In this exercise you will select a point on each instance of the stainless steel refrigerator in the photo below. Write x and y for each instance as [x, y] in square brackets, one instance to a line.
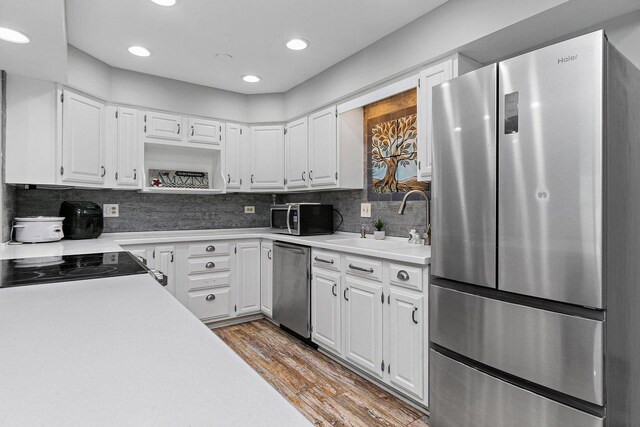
[535, 300]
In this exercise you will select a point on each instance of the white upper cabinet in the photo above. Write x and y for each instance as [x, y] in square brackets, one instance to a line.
[323, 148]
[162, 125]
[429, 78]
[127, 168]
[235, 134]
[296, 143]
[205, 131]
[267, 158]
[83, 139]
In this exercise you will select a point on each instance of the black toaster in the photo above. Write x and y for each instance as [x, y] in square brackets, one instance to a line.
[82, 220]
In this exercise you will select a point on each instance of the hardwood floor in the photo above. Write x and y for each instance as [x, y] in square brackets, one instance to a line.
[324, 391]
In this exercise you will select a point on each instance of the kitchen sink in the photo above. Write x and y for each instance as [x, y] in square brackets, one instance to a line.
[370, 243]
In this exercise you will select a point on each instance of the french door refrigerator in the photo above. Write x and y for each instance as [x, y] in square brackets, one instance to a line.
[535, 300]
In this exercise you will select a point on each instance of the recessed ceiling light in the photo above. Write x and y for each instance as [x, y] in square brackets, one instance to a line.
[139, 51]
[13, 36]
[250, 78]
[297, 44]
[165, 2]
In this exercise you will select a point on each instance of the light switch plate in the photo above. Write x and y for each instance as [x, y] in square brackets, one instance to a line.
[110, 210]
[249, 209]
[365, 210]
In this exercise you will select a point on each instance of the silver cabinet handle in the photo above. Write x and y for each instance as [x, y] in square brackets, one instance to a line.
[228, 178]
[403, 275]
[303, 175]
[333, 289]
[178, 128]
[191, 131]
[171, 256]
[344, 294]
[210, 264]
[311, 175]
[135, 174]
[252, 178]
[413, 315]
[366, 270]
[210, 297]
[104, 171]
[210, 248]
[269, 254]
[328, 261]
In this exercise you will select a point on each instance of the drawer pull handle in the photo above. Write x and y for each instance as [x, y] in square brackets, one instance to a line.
[344, 294]
[210, 264]
[328, 261]
[413, 315]
[210, 297]
[269, 254]
[403, 275]
[333, 289]
[366, 270]
[211, 248]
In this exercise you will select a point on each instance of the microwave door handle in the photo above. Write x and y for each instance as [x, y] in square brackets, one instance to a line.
[288, 214]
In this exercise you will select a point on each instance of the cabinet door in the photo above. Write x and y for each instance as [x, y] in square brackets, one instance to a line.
[248, 277]
[267, 158]
[428, 79]
[162, 125]
[128, 147]
[323, 148]
[406, 341]
[205, 131]
[363, 324]
[325, 309]
[266, 278]
[296, 143]
[82, 139]
[164, 262]
[234, 135]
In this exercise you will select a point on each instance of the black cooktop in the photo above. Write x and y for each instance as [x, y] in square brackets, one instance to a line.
[35, 271]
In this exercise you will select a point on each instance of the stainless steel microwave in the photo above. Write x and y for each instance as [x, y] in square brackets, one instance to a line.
[302, 219]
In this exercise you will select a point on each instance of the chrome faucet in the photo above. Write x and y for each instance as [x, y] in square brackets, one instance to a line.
[363, 232]
[403, 205]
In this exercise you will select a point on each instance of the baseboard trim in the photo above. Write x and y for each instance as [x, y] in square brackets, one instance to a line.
[214, 324]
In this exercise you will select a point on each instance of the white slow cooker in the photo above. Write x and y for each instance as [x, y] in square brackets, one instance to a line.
[36, 229]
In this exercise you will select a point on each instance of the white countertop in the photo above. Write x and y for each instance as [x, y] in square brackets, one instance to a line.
[398, 249]
[122, 351]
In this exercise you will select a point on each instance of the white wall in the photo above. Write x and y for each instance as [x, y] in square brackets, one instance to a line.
[266, 108]
[88, 74]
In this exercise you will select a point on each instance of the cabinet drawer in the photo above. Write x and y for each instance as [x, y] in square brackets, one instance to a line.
[468, 397]
[326, 259]
[202, 265]
[209, 249]
[211, 304]
[363, 267]
[555, 350]
[210, 280]
[403, 275]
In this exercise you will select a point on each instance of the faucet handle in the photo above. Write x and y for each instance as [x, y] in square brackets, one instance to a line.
[363, 231]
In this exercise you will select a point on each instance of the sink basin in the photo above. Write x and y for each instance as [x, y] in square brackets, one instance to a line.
[370, 243]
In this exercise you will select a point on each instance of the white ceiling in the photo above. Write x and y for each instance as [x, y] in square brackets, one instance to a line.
[185, 38]
[45, 57]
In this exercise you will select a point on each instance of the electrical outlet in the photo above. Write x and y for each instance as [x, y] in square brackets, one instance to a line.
[110, 211]
[249, 209]
[365, 210]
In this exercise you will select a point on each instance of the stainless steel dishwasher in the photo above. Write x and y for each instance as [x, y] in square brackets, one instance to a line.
[292, 287]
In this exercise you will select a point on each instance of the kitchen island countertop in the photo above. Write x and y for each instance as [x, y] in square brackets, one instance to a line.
[122, 351]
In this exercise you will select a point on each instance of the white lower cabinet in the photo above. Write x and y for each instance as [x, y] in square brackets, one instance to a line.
[326, 295]
[376, 323]
[165, 261]
[266, 278]
[211, 304]
[363, 325]
[406, 341]
[248, 277]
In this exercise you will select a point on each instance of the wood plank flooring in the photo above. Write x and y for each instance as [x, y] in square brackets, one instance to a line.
[327, 393]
